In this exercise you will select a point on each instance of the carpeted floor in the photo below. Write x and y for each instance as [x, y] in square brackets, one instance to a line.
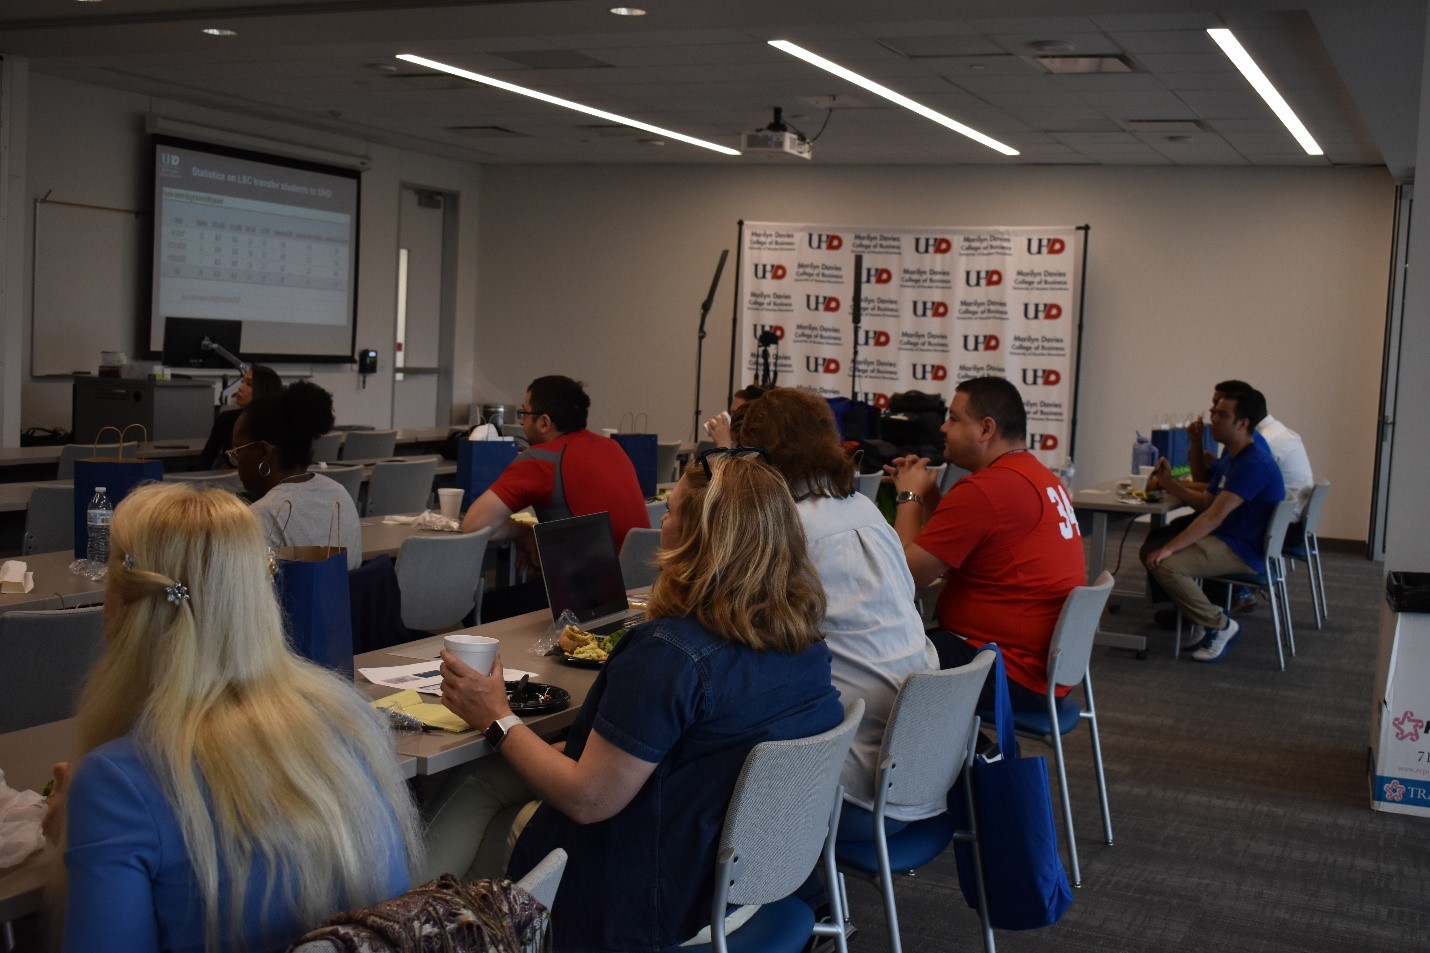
[1239, 801]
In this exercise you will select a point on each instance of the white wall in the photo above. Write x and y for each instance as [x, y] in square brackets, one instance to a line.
[88, 144]
[1276, 276]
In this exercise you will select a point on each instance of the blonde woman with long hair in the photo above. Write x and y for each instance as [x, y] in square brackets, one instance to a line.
[229, 795]
[731, 656]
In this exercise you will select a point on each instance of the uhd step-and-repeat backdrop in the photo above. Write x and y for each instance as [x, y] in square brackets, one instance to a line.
[940, 305]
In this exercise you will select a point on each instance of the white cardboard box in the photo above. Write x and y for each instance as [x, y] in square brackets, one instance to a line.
[1400, 725]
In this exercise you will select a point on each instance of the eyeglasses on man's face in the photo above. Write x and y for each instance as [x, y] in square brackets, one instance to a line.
[706, 455]
[527, 413]
[232, 455]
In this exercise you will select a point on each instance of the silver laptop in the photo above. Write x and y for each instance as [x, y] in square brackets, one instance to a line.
[583, 574]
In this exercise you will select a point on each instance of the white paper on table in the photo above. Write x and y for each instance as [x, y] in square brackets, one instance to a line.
[15, 576]
[422, 677]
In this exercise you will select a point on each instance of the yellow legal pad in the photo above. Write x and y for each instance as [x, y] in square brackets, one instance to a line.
[430, 714]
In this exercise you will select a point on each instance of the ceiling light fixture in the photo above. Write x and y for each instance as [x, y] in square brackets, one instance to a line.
[1242, 60]
[566, 103]
[219, 31]
[628, 11]
[816, 60]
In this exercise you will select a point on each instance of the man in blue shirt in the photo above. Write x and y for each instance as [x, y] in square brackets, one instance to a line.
[1226, 536]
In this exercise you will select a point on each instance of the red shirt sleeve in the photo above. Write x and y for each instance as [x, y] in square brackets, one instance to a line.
[525, 482]
[960, 524]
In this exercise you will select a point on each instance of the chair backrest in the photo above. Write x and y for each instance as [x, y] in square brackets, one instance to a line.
[542, 880]
[46, 656]
[779, 814]
[1314, 505]
[327, 447]
[349, 477]
[49, 520]
[369, 444]
[930, 728]
[952, 473]
[665, 459]
[1281, 520]
[638, 557]
[441, 578]
[654, 510]
[71, 452]
[869, 484]
[227, 479]
[400, 486]
[938, 473]
[1071, 648]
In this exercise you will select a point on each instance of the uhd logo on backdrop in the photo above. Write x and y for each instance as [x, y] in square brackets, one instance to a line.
[929, 245]
[776, 329]
[983, 279]
[1041, 376]
[930, 372]
[764, 270]
[877, 401]
[821, 365]
[878, 276]
[830, 242]
[868, 337]
[1042, 311]
[1046, 246]
[929, 309]
[1042, 441]
[821, 303]
[980, 342]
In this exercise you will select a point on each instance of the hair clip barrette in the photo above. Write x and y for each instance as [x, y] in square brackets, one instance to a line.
[129, 561]
[178, 593]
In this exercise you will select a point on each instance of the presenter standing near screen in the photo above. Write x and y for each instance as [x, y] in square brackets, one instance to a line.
[258, 382]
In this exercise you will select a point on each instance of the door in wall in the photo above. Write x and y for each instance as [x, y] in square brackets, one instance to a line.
[423, 276]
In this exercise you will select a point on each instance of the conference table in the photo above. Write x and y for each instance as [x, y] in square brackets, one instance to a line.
[1108, 504]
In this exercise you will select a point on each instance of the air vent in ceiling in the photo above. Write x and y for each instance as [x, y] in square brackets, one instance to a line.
[1087, 64]
[553, 59]
[488, 132]
[1163, 127]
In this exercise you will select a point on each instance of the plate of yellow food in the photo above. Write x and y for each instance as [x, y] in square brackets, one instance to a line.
[586, 649]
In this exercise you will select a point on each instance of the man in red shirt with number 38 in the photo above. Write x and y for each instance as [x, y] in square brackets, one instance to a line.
[1004, 539]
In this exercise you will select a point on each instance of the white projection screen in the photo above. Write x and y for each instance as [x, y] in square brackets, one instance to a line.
[264, 240]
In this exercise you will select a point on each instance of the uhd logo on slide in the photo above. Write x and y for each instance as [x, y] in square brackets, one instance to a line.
[826, 303]
[1042, 441]
[170, 158]
[766, 271]
[878, 276]
[929, 309]
[930, 372]
[931, 245]
[1041, 376]
[776, 329]
[818, 240]
[821, 365]
[868, 337]
[877, 401]
[983, 279]
[980, 342]
[1042, 311]
[1046, 246]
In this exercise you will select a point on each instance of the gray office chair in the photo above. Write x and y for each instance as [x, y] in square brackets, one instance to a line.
[952, 473]
[665, 461]
[71, 452]
[327, 447]
[638, 557]
[1302, 544]
[400, 486]
[47, 654]
[49, 520]
[654, 510]
[369, 444]
[869, 484]
[441, 579]
[349, 477]
[1270, 580]
[228, 479]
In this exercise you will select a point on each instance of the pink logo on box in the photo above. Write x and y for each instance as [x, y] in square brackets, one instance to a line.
[1395, 791]
[1408, 728]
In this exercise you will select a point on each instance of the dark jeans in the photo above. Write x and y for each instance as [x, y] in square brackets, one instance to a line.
[953, 652]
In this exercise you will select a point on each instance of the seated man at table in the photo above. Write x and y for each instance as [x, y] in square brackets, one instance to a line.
[1004, 539]
[1226, 535]
[1285, 444]
[567, 471]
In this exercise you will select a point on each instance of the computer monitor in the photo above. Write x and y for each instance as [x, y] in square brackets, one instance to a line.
[184, 337]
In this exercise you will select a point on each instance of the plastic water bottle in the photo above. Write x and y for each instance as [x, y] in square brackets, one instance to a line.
[97, 517]
[1066, 473]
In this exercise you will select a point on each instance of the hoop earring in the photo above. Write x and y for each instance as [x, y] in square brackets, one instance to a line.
[264, 469]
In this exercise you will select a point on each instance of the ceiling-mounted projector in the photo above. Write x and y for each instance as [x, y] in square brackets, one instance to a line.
[778, 137]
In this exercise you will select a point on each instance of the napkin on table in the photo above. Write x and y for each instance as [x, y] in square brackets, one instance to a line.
[16, 577]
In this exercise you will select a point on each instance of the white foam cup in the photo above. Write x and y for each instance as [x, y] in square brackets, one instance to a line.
[476, 651]
[449, 498]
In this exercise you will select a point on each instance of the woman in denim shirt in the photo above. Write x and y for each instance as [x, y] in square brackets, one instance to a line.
[731, 657]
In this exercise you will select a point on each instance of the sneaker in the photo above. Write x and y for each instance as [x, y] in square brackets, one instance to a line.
[1194, 636]
[1218, 642]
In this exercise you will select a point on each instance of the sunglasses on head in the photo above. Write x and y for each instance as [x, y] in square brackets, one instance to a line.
[705, 456]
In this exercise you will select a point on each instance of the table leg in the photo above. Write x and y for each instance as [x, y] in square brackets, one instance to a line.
[1116, 640]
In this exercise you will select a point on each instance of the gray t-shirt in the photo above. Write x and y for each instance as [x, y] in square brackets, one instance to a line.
[311, 522]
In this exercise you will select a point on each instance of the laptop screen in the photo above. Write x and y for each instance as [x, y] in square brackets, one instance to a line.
[579, 564]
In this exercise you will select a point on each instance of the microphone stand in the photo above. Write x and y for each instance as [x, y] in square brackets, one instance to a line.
[700, 341]
[855, 314]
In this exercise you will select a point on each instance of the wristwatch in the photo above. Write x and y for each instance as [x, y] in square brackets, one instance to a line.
[908, 496]
[496, 731]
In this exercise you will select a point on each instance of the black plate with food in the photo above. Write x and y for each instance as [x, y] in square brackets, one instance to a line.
[530, 698]
[581, 662]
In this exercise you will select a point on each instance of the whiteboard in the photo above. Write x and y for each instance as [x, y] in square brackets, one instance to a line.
[91, 274]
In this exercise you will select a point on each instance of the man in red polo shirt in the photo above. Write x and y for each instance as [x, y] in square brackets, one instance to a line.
[1004, 539]
[567, 471]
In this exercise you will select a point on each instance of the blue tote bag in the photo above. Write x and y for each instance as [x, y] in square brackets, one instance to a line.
[479, 463]
[312, 588]
[1023, 873]
[118, 475]
[643, 450]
